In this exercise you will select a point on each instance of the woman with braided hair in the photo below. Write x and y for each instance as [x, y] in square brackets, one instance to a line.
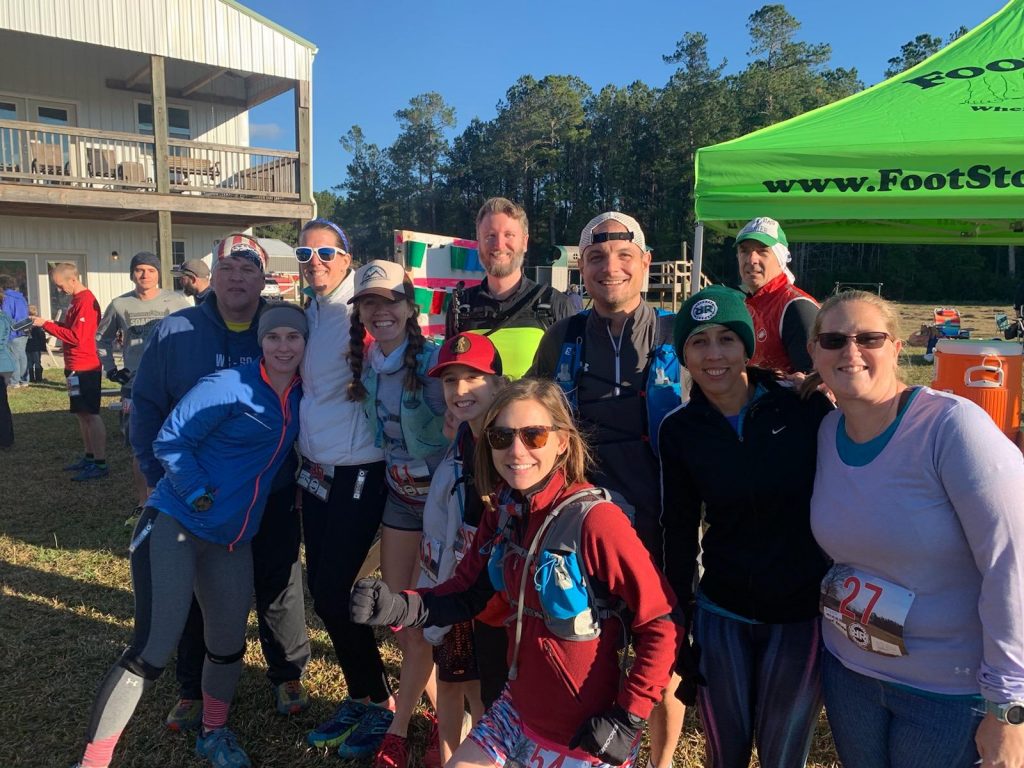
[390, 358]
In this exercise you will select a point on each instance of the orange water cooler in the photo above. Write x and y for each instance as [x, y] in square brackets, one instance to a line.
[986, 371]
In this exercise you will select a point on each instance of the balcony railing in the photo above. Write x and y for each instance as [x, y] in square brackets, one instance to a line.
[32, 153]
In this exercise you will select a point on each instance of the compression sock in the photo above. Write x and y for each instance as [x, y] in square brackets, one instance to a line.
[101, 463]
[90, 457]
[215, 713]
[98, 754]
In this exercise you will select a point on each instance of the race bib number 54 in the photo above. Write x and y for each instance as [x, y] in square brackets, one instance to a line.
[869, 610]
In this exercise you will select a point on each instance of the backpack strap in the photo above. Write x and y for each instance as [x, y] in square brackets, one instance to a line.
[570, 356]
[588, 494]
[502, 318]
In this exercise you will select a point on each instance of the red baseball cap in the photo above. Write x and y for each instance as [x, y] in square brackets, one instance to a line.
[471, 350]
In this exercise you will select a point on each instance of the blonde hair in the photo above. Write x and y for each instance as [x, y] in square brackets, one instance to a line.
[64, 268]
[890, 319]
[576, 460]
[505, 206]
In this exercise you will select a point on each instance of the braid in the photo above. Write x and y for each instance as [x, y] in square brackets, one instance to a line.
[357, 334]
[416, 342]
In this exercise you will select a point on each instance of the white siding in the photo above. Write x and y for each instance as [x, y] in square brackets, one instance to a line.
[204, 31]
[77, 74]
[37, 240]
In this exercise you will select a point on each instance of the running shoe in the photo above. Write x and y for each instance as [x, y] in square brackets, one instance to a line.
[366, 737]
[133, 518]
[78, 466]
[332, 732]
[291, 698]
[186, 715]
[92, 472]
[393, 752]
[220, 746]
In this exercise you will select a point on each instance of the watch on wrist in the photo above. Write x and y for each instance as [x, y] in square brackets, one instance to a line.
[203, 503]
[1011, 713]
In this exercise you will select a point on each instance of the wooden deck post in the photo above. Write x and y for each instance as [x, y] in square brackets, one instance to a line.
[304, 141]
[160, 166]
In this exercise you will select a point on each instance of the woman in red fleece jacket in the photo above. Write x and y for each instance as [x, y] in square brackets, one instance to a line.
[567, 702]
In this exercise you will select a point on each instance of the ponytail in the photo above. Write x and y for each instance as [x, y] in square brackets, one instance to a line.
[416, 342]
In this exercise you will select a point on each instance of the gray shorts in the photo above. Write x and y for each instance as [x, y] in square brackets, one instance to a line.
[402, 515]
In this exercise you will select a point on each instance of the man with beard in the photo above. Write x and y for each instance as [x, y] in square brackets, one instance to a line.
[507, 306]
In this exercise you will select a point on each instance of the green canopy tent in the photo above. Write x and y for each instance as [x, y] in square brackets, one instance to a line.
[933, 155]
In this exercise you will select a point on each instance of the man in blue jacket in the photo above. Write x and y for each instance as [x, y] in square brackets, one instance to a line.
[16, 307]
[186, 346]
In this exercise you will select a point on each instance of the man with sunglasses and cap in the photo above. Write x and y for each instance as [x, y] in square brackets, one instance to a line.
[783, 314]
[195, 279]
[507, 306]
[617, 368]
[132, 317]
[186, 346]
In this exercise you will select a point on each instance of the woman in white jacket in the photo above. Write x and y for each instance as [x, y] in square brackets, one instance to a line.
[343, 488]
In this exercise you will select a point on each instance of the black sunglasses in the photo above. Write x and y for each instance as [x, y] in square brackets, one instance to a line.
[867, 340]
[325, 253]
[500, 438]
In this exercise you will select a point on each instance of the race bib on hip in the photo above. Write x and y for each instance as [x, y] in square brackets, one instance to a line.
[411, 481]
[869, 610]
[316, 478]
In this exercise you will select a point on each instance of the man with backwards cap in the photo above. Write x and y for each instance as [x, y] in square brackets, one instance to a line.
[195, 279]
[186, 346]
[783, 314]
[132, 317]
[616, 365]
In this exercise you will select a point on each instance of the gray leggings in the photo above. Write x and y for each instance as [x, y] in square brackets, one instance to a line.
[168, 564]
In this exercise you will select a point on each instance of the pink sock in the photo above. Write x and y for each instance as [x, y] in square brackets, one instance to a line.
[215, 712]
[99, 753]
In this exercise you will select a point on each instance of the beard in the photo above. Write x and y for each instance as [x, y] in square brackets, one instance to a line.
[503, 269]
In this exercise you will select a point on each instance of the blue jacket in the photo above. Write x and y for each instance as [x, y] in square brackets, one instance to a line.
[230, 434]
[14, 304]
[186, 346]
[7, 364]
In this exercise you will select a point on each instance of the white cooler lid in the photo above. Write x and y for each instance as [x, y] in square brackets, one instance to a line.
[979, 347]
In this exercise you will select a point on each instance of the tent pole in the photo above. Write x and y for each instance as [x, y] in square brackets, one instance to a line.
[698, 259]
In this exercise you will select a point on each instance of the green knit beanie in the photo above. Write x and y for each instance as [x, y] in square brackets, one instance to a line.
[715, 305]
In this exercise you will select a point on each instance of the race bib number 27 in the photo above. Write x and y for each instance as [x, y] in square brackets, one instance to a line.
[869, 610]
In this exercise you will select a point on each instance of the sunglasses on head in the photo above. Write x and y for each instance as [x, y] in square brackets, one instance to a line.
[500, 438]
[324, 253]
[867, 339]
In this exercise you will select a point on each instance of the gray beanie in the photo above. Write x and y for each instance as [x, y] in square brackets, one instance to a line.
[282, 315]
[144, 257]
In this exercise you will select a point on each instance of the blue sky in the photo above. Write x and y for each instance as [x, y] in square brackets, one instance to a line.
[374, 55]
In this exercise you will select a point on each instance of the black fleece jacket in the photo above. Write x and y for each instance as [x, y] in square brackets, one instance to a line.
[760, 559]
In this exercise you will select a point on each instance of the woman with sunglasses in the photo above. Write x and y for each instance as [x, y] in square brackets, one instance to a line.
[405, 408]
[545, 536]
[343, 490]
[739, 459]
[917, 499]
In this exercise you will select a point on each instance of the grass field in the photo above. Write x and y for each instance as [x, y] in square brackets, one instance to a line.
[66, 611]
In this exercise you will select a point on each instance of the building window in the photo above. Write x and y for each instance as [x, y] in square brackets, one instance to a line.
[178, 121]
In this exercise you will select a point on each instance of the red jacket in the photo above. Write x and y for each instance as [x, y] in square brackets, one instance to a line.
[562, 683]
[768, 308]
[77, 331]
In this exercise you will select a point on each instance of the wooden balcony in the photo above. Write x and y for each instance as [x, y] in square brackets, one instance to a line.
[84, 170]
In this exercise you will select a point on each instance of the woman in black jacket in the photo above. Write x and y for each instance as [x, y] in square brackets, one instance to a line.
[744, 449]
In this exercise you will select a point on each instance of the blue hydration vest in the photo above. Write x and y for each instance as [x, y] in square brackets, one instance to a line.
[662, 374]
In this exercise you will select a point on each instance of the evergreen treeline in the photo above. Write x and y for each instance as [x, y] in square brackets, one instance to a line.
[566, 152]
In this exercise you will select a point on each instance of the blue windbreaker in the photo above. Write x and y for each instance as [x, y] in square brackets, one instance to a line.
[230, 433]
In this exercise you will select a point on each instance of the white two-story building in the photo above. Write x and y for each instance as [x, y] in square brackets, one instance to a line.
[124, 126]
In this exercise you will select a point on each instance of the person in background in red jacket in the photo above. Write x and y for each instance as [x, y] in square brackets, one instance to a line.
[567, 701]
[782, 313]
[77, 332]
